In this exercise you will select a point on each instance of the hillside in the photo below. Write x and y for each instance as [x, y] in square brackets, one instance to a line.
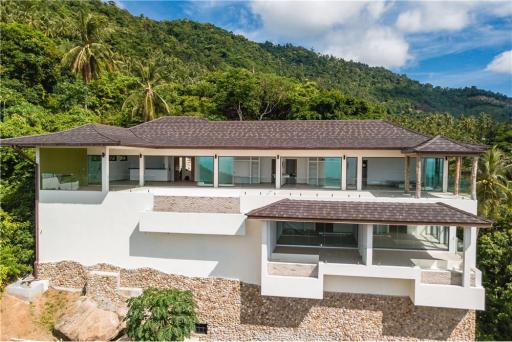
[203, 48]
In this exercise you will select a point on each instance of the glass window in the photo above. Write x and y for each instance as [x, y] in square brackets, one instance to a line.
[69, 169]
[205, 171]
[351, 173]
[325, 172]
[317, 234]
[226, 165]
[432, 174]
[410, 237]
[383, 173]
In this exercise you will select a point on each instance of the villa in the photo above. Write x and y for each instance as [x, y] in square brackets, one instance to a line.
[282, 229]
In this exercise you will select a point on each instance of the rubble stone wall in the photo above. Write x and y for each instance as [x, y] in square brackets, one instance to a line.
[237, 311]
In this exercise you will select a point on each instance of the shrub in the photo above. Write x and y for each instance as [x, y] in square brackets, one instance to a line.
[161, 315]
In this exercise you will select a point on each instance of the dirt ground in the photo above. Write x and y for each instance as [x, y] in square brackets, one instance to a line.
[32, 321]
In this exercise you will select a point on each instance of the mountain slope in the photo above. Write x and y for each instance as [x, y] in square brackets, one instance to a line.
[203, 47]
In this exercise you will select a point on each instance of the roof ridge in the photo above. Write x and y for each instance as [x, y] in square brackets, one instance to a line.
[255, 210]
[103, 135]
[428, 142]
[405, 128]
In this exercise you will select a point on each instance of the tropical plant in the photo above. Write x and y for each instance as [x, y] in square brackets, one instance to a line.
[91, 55]
[146, 101]
[161, 315]
[494, 189]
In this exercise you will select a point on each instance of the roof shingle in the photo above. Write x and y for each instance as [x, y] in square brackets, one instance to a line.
[368, 212]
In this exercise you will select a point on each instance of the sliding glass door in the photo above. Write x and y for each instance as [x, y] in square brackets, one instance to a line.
[317, 234]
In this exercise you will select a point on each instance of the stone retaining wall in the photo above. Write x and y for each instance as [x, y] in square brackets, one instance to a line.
[237, 311]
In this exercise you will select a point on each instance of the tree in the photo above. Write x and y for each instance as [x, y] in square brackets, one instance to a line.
[494, 189]
[161, 315]
[90, 56]
[146, 101]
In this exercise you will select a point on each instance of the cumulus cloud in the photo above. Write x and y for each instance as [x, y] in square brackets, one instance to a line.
[435, 16]
[378, 46]
[502, 63]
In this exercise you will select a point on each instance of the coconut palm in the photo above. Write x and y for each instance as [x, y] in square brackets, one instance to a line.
[145, 101]
[494, 188]
[91, 55]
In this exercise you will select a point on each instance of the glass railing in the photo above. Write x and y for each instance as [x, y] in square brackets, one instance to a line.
[65, 181]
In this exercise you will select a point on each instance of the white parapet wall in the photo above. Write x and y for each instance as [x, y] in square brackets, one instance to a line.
[192, 223]
[109, 232]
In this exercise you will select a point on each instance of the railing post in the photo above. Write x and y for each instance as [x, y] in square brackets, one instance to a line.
[418, 176]
[474, 170]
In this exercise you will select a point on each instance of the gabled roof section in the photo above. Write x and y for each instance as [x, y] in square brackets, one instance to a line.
[85, 135]
[442, 145]
[368, 212]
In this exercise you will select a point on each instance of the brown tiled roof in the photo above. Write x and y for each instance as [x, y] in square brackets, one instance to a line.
[368, 212]
[191, 132]
[439, 144]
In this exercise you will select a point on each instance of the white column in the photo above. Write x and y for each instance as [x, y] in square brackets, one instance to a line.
[344, 173]
[365, 242]
[474, 172]
[278, 172]
[452, 239]
[469, 254]
[369, 244]
[105, 170]
[216, 171]
[418, 176]
[445, 174]
[141, 169]
[359, 173]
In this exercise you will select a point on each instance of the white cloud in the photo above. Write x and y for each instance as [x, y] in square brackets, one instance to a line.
[502, 63]
[435, 16]
[378, 46]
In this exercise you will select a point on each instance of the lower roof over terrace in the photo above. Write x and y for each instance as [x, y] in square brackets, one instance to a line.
[368, 213]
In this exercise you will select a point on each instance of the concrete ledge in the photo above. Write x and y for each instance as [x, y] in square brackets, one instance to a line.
[192, 223]
[27, 291]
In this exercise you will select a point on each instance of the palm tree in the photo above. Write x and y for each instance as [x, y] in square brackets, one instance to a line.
[494, 187]
[145, 101]
[91, 55]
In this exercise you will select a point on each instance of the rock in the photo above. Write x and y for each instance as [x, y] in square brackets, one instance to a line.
[84, 321]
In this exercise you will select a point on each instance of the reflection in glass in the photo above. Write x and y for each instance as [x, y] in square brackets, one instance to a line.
[205, 171]
[410, 237]
[325, 172]
[317, 234]
[351, 173]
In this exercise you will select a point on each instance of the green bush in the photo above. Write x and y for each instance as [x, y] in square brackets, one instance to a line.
[161, 315]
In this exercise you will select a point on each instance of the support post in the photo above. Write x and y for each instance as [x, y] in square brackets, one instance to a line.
[344, 173]
[452, 239]
[445, 174]
[359, 173]
[36, 212]
[141, 169]
[457, 176]
[418, 176]
[105, 170]
[216, 171]
[469, 254]
[369, 244]
[278, 172]
[474, 170]
[406, 174]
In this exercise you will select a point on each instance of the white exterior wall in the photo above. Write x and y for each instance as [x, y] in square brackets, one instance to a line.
[367, 285]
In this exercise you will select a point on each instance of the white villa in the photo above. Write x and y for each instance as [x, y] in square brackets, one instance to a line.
[346, 218]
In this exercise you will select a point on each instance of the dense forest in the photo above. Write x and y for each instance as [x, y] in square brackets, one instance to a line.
[66, 63]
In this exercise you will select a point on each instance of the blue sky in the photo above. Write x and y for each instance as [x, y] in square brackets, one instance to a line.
[449, 44]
